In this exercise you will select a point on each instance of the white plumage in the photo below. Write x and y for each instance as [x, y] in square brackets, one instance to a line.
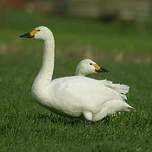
[74, 95]
[87, 66]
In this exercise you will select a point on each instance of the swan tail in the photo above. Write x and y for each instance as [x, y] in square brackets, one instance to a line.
[120, 88]
[123, 96]
[129, 108]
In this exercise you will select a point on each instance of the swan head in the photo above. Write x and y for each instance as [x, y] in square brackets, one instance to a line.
[87, 66]
[41, 32]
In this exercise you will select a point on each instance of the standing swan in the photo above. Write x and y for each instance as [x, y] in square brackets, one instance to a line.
[87, 66]
[73, 95]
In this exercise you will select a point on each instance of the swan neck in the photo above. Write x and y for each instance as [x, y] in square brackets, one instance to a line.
[47, 68]
[79, 73]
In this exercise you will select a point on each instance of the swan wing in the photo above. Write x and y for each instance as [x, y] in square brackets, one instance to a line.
[120, 88]
[81, 93]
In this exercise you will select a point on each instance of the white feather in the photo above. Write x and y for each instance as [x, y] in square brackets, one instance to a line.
[74, 95]
[86, 67]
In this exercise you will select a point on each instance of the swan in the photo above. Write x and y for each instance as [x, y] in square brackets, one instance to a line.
[74, 95]
[87, 66]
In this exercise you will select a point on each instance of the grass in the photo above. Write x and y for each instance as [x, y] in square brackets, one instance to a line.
[26, 126]
[94, 34]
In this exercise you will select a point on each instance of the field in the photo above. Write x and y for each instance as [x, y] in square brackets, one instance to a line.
[123, 49]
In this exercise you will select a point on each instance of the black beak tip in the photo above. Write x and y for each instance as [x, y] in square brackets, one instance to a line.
[102, 70]
[21, 36]
[99, 71]
[26, 35]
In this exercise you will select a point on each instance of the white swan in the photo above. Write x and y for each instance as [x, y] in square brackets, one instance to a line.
[87, 66]
[75, 95]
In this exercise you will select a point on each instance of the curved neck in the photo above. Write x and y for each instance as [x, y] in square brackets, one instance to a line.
[79, 73]
[47, 68]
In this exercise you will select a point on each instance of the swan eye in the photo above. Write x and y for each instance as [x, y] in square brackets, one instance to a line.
[90, 63]
[38, 30]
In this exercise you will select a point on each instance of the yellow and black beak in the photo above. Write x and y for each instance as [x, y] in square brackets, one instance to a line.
[103, 70]
[99, 68]
[29, 34]
[26, 35]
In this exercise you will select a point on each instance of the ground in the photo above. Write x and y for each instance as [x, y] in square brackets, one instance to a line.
[123, 49]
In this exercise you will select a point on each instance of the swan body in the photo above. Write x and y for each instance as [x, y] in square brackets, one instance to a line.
[75, 95]
[87, 66]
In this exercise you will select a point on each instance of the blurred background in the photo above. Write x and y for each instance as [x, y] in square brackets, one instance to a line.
[119, 30]
[109, 32]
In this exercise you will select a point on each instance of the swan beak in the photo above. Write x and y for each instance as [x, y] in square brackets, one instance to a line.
[104, 70]
[99, 69]
[29, 34]
[26, 35]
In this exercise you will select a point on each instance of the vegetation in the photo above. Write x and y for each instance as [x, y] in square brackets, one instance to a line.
[26, 126]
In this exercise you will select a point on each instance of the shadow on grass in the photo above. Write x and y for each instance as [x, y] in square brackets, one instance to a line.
[64, 119]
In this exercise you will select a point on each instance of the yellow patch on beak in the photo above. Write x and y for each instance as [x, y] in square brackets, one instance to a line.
[97, 67]
[33, 33]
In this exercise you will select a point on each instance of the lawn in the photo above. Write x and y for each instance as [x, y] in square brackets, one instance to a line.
[26, 126]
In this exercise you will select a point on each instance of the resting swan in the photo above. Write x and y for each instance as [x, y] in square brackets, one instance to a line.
[87, 66]
[75, 95]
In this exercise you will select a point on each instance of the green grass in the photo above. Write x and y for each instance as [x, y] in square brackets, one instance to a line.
[74, 33]
[26, 126]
